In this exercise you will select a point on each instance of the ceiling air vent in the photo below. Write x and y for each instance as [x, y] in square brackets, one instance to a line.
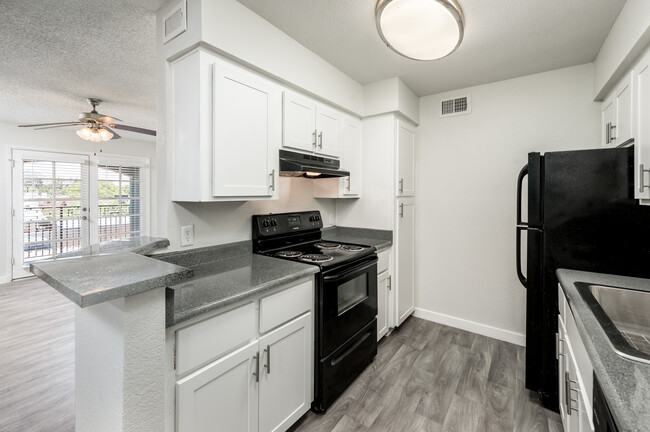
[455, 106]
[175, 21]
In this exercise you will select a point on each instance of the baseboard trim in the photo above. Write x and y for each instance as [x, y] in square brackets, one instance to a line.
[471, 326]
[5, 279]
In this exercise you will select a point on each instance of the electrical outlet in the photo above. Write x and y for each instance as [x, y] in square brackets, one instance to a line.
[187, 235]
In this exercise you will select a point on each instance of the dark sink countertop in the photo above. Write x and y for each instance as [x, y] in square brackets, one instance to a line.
[625, 383]
[380, 239]
[225, 275]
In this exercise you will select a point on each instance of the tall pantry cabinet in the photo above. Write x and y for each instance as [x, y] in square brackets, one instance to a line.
[389, 190]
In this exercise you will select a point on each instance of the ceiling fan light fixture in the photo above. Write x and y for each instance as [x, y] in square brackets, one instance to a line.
[84, 133]
[105, 134]
[420, 29]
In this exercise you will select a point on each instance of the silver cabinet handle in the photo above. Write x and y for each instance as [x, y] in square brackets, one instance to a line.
[348, 188]
[256, 374]
[642, 172]
[320, 140]
[401, 210]
[272, 175]
[612, 127]
[390, 283]
[608, 133]
[267, 366]
[567, 393]
[401, 185]
[314, 136]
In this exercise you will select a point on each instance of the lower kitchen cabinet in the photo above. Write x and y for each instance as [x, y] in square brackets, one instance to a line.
[285, 375]
[575, 374]
[384, 292]
[221, 396]
[263, 383]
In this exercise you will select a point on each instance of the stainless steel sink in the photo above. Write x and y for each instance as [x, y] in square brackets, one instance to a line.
[624, 315]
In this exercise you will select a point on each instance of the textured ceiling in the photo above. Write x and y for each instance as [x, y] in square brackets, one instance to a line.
[503, 39]
[57, 53]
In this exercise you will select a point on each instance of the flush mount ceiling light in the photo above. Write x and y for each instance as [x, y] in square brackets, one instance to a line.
[420, 29]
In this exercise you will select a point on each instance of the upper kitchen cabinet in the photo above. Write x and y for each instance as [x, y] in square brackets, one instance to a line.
[617, 115]
[641, 115]
[310, 126]
[350, 186]
[226, 128]
[405, 158]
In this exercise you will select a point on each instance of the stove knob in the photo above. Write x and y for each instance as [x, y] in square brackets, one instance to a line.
[317, 217]
[274, 222]
[265, 224]
[311, 218]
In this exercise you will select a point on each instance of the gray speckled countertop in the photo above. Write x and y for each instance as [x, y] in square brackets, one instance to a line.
[625, 383]
[109, 270]
[380, 239]
[224, 275]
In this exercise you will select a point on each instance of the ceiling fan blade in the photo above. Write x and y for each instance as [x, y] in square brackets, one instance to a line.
[135, 129]
[115, 134]
[58, 126]
[49, 124]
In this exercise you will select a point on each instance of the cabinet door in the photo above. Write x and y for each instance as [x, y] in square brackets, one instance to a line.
[571, 392]
[221, 396]
[405, 257]
[623, 100]
[246, 133]
[299, 122]
[405, 159]
[561, 369]
[351, 157]
[286, 374]
[608, 121]
[328, 124]
[382, 304]
[642, 128]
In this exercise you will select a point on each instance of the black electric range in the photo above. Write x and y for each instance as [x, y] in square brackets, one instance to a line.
[345, 294]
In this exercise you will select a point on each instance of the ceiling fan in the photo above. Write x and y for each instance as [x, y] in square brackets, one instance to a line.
[97, 127]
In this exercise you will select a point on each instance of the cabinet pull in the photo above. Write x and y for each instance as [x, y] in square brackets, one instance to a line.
[314, 136]
[607, 133]
[256, 374]
[642, 172]
[348, 188]
[567, 393]
[272, 175]
[267, 366]
[401, 210]
[401, 185]
[390, 283]
[611, 136]
[320, 140]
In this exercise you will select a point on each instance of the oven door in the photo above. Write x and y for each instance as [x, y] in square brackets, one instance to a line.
[348, 302]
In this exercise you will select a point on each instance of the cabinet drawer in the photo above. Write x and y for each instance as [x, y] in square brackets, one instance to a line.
[382, 264]
[209, 339]
[285, 305]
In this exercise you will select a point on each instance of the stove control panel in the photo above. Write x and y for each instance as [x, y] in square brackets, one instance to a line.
[285, 223]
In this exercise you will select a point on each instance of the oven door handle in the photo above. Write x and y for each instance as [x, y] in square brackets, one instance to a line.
[357, 269]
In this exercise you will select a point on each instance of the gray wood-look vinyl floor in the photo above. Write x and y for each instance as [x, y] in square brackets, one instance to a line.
[431, 378]
[37, 360]
[426, 378]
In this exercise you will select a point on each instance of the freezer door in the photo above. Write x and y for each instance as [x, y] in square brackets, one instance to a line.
[534, 308]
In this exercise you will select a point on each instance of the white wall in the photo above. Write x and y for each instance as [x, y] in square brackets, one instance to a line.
[466, 192]
[56, 141]
[225, 222]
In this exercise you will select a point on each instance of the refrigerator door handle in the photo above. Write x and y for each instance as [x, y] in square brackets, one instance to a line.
[520, 274]
[520, 179]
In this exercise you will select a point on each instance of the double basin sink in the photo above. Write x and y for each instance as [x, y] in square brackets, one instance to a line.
[624, 315]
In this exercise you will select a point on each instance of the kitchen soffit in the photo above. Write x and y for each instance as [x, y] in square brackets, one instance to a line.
[503, 39]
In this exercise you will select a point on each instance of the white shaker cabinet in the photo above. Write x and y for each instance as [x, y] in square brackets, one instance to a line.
[350, 186]
[384, 289]
[249, 369]
[405, 159]
[226, 128]
[641, 122]
[405, 256]
[617, 114]
[310, 126]
[222, 396]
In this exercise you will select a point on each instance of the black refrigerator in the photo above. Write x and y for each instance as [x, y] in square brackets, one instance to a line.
[582, 215]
